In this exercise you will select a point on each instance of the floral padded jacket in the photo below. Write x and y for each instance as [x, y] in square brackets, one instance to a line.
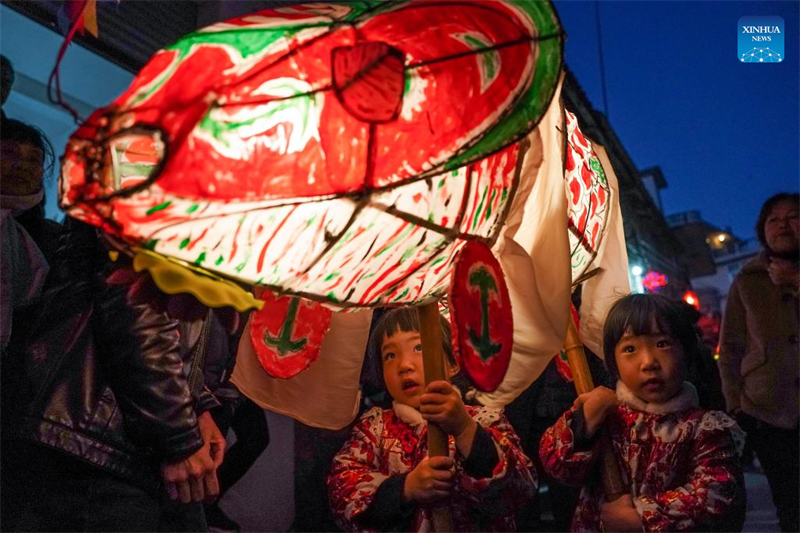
[385, 446]
[682, 464]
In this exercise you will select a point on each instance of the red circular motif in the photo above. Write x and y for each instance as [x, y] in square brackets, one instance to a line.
[287, 333]
[480, 307]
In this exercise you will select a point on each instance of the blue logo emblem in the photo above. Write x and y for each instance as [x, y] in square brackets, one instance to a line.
[761, 40]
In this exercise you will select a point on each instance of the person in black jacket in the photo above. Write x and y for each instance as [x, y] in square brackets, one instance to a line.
[98, 421]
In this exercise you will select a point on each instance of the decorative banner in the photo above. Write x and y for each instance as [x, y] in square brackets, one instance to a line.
[287, 333]
[327, 394]
[342, 153]
[588, 198]
[480, 308]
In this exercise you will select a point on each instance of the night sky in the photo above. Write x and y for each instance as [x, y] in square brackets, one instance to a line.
[726, 134]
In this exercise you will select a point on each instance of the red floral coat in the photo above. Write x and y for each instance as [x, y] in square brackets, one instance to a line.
[382, 445]
[681, 464]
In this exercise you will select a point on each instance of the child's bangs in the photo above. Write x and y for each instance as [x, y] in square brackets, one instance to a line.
[647, 319]
[403, 319]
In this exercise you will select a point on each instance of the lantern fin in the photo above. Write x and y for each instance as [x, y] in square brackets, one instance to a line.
[173, 277]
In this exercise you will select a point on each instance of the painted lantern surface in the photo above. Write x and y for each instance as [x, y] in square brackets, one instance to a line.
[588, 198]
[339, 152]
[482, 322]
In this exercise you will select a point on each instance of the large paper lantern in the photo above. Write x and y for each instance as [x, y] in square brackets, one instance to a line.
[343, 153]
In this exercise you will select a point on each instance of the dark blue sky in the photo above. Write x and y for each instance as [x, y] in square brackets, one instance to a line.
[725, 134]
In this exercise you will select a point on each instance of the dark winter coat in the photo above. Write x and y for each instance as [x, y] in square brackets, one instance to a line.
[96, 376]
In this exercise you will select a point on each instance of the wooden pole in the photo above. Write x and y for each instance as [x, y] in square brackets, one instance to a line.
[435, 366]
[613, 486]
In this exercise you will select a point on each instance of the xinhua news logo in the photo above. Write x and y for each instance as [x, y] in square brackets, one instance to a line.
[761, 40]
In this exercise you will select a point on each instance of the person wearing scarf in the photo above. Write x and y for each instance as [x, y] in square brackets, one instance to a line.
[760, 356]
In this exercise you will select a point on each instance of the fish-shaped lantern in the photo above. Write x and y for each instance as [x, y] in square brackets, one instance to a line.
[339, 152]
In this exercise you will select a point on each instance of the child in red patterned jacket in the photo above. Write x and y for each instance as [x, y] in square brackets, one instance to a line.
[681, 463]
[382, 478]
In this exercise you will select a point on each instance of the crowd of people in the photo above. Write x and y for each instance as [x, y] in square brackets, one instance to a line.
[116, 401]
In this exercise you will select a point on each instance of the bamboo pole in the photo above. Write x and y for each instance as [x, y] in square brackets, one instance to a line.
[613, 486]
[435, 366]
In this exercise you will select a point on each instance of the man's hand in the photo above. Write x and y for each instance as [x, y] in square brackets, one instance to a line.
[620, 515]
[195, 478]
[783, 272]
[213, 437]
[597, 403]
[442, 405]
[430, 481]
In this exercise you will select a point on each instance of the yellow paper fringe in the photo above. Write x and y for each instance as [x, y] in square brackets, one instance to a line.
[173, 277]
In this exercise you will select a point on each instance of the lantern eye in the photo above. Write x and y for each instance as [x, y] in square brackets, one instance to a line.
[369, 80]
[133, 159]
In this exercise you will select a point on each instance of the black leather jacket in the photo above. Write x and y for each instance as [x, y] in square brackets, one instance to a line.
[91, 374]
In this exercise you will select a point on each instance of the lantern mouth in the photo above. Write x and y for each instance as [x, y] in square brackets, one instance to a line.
[126, 162]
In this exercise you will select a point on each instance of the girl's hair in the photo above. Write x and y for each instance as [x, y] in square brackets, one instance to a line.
[22, 133]
[646, 314]
[404, 319]
[766, 209]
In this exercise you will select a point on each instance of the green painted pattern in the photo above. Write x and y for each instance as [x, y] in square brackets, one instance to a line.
[598, 168]
[245, 40]
[151, 244]
[489, 205]
[244, 262]
[184, 243]
[534, 101]
[158, 207]
[200, 258]
[193, 208]
[480, 208]
[341, 242]
[218, 129]
[491, 58]
[409, 228]
[402, 295]
[219, 260]
[410, 251]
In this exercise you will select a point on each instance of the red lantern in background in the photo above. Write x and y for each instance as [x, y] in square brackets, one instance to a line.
[691, 298]
[653, 281]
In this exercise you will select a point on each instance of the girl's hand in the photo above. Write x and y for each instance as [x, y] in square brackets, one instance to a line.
[430, 481]
[620, 515]
[596, 406]
[442, 405]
